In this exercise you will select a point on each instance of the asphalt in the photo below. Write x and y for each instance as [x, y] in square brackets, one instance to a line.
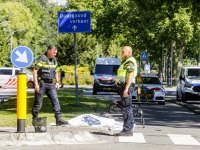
[66, 134]
[191, 106]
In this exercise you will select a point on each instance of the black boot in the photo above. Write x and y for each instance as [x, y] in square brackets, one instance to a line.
[60, 121]
[36, 121]
[123, 133]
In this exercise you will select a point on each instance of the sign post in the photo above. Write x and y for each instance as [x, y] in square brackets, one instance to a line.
[74, 22]
[21, 57]
[144, 58]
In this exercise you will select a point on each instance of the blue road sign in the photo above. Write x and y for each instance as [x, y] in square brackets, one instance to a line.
[21, 57]
[147, 67]
[144, 56]
[74, 21]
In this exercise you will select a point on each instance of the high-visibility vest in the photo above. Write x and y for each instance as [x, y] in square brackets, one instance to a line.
[122, 73]
[47, 69]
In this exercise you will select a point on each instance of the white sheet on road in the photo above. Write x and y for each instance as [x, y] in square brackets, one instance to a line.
[105, 122]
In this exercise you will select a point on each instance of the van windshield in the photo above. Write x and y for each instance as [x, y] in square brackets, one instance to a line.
[193, 73]
[106, 69]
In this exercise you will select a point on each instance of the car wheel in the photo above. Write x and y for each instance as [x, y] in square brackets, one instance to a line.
[183, 98]
[94, 92]
[161, 103]
[177, 97]
[30, 84]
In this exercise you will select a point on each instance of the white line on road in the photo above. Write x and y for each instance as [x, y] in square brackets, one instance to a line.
[181, 139]
[136, 138]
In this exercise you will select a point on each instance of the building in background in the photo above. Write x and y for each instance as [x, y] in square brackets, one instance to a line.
[53, 2]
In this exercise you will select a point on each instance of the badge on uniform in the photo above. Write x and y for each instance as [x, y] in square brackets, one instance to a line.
[131, 65]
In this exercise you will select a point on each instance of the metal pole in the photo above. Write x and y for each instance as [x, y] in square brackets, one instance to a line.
[199, 52]
[35, 51]
[140, 64]
[171, 60]
[162, 63]
[11, 43]
[164, 67]
[76, 72]
[5, 22]
[36, 48]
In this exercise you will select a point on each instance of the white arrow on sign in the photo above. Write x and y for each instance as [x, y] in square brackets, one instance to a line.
[22, 57]
[74, 27]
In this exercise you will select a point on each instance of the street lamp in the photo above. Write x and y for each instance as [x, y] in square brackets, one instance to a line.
[13, 34]
[5, 22]
[36, 48]
[33, 35]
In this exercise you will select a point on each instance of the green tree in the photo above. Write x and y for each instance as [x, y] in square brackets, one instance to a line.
[3, 50]
[65, 44]
[21, 18]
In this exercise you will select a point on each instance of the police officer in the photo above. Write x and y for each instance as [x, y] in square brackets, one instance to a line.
[43, 74]
[125, 80]
[62, 75]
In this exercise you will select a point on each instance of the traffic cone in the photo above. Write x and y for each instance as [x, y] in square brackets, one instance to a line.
[5, 87]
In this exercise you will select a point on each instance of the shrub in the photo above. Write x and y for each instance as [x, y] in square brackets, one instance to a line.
[84, 77]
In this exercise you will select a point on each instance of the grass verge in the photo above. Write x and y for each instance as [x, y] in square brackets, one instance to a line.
[67, 99]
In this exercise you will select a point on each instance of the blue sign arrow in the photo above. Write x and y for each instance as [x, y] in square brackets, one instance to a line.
[144, 56]
[21, 57]
[74, 21]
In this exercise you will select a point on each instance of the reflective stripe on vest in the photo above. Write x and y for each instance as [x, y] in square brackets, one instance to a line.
[46, 65]
[122, 74]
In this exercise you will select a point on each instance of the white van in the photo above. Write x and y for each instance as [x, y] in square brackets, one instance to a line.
[8, 77]
[105, 74]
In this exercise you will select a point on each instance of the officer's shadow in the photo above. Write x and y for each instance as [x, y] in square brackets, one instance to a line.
[101, 133]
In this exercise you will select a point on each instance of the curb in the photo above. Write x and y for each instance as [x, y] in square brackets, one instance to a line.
[193, 108]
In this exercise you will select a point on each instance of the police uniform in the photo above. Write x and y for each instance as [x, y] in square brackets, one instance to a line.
[46, 74]
[127, 65]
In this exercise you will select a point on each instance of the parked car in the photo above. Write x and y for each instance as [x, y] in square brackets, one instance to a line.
[153, 87]
[8, 77]
[105, 74]
[188, 84]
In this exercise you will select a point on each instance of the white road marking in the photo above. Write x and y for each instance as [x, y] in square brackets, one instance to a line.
[181, 139]
[136, 138]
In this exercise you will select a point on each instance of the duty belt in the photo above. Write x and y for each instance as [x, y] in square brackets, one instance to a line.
[47, 80]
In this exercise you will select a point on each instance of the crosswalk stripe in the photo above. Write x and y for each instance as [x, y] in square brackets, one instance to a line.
[181, 139]
[136, 138]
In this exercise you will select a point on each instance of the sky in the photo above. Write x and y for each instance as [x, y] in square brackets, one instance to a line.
[61, 2]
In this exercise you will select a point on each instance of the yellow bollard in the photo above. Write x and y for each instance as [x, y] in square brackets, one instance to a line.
[21, 101]
[139, 93]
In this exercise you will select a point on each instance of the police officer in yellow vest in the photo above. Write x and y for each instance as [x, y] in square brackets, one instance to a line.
[125, 81]
[43, 74]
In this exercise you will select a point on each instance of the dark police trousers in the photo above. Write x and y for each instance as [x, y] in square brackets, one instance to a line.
[127, 109]
[51, 92]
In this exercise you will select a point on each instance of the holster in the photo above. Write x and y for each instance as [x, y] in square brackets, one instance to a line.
[41, 82]
[121, 84]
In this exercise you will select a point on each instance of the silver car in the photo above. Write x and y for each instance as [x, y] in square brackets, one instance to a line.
[188, 85]
[153, 87]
